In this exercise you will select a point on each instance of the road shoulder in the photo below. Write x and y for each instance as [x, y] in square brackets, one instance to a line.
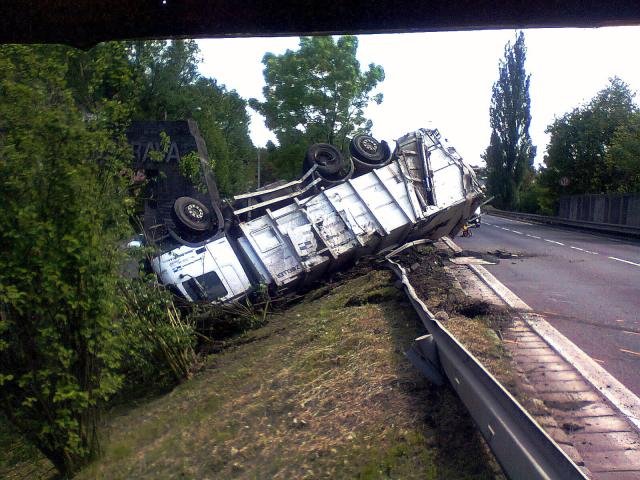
[594, 418]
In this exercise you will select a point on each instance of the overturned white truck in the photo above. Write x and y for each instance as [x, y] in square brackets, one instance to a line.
[295, 233]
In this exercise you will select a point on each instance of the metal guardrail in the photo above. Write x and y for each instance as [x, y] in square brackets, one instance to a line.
[603, 227]
[521, 447]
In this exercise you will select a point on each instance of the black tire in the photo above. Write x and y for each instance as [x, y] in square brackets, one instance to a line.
[192, 214]
[330, 163]
[367, 149]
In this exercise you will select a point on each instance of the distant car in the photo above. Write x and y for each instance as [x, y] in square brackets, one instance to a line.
[474, 221]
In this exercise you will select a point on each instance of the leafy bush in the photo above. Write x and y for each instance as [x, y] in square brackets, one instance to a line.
[156, 344]
[536, 198]
[217, 322]
[61, 219]
[64, 165]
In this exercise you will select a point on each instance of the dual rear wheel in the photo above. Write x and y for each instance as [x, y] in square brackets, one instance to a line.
[366, 153]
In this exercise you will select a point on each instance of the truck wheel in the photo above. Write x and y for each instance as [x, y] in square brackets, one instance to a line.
[331, 165]
[368, 150]
[192, 214]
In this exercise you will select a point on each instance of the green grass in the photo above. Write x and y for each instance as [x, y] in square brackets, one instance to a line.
[19, 459]
[322, 391]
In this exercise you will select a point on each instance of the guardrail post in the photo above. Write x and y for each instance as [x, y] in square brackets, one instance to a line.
[423, 355]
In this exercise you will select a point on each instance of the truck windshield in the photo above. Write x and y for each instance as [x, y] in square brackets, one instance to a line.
[206, 287]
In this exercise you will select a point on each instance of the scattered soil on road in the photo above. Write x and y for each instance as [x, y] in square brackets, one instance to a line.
[506, 255]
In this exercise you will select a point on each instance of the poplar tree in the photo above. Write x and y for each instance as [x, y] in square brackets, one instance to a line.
[510, 154]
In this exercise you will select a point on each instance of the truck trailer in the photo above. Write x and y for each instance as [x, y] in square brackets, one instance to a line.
[288, 235]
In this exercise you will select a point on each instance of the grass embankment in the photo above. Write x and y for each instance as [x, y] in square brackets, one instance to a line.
[19, 459]
[323, 391]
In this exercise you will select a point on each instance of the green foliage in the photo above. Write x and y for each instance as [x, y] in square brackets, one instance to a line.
[19, 459]
[190, 168]
[172, 89]
[166, 71]
[102, 79]
[593, 145]
[161, 153]
[225, 320]
[317, 93]
[67, 334]
[224, 123]
[283, 162]
[65, 162]
[190, 164]
[156, 344]
[535, 198]
[63, 212]
[623, 156]
[510, 154]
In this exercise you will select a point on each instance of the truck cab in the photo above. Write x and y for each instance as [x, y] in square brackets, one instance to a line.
[211, 272]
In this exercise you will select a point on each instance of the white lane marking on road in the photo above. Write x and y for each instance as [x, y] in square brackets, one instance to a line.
[561, 244]
[631, 352]
[516, 221]
[583, 250]
[599, 236]
[625, 261]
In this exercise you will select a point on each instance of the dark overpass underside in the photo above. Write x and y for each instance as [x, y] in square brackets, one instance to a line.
[83, 23]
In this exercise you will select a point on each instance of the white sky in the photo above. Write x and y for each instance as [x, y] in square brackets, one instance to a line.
[443, 80]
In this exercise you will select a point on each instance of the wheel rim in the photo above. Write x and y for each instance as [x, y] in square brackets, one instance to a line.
[194, 212]
[369, 145]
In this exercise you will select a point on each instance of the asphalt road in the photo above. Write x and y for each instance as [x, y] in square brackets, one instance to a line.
[586, 285]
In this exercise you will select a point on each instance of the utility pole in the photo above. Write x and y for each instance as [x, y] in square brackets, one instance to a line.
[258, 168]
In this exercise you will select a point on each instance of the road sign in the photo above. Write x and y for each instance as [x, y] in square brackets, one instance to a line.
[564, 181]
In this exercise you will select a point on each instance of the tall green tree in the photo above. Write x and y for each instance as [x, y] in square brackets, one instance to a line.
[510, 154]
[103, 80]
[623, 157]
[317, 93]
[166, 70]
[224, 122]
[172, 89]
[582, 141]
[64, 166]
[62, 217]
